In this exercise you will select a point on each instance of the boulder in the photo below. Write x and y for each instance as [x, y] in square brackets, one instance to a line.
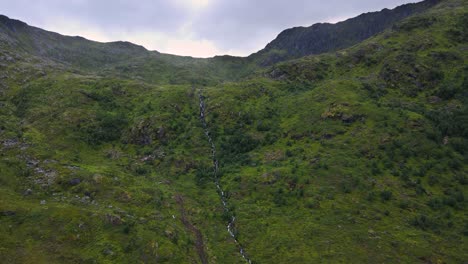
[75, 181]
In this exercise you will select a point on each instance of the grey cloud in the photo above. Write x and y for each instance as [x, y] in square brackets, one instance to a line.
[160, 15]
[242, 25]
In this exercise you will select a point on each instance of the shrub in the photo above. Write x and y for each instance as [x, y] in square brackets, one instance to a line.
[203, 175]
[234, 148]
[371, 196]
[141, 170]
[106, 127]
[448, 90]
[461, 178]
[424, 222]
[432, 180]
[263, 126]
[435, 203]
[386, 195]
[459, 31]
[416, 23]
[313, 203]
[278, 197]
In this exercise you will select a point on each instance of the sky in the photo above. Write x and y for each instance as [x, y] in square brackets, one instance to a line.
[198, 28]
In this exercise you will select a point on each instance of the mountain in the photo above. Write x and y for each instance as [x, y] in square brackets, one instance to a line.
[71, 50]
[356, 155]
[324, 37]
[125, 56]
[115, 58]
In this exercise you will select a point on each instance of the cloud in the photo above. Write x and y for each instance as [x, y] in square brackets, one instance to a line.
[249, 25]
[194, 4]
[185, 46]
[181, 43]
[159, 15]
[200, 28]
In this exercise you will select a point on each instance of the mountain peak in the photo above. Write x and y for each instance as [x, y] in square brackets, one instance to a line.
[11, 23]
[325, 37]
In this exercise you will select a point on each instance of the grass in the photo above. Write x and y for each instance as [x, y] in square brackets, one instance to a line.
[356, 156]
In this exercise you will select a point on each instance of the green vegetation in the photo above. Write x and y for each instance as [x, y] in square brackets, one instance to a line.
[356, 156]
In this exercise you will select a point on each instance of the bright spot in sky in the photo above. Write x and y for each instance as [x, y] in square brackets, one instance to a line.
[195, 4]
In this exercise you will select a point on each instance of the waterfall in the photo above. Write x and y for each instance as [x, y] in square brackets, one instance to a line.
[224, 200]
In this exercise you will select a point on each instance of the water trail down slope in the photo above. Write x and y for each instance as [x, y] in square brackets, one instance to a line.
[230, 227]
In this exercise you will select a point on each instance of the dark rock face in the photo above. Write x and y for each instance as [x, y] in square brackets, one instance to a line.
[74, 182]
[277, 74]
[113, 219]
[27, 192]
[11, 24]
[324, 37]
[146, 132]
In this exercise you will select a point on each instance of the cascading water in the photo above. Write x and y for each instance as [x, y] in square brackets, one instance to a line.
[222, 194]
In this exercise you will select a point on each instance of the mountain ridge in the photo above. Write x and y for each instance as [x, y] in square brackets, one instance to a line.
[326, 37]
[281, 42]
[130, 60]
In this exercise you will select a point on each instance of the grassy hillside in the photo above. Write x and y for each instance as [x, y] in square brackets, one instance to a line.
[357, 156]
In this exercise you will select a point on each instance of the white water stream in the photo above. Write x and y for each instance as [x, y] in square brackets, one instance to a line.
[230, 227]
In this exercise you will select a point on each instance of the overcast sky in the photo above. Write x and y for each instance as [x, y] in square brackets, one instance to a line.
[199, 28]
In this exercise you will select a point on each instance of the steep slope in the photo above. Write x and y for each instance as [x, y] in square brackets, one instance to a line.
[325, 37]
[356, 156]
